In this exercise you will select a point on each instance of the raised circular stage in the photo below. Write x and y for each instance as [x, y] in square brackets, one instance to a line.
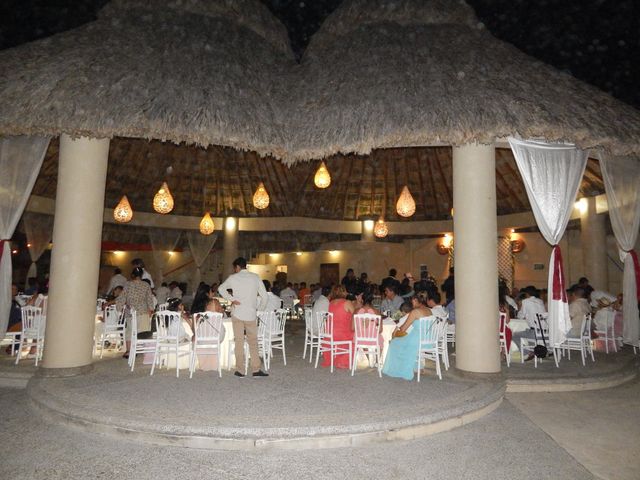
[298, 406]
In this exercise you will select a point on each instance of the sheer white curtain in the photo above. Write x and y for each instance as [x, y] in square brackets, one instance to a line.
[552, 175]
[20, 161]
[163, 241]
[38, 228]
[622, 184]
[200, 246]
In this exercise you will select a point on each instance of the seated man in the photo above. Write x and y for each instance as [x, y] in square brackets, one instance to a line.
[320, 305]
[288, 295]
[433, 302]
[392, 301]
[529, 306]
[578, 308]
[273, 301]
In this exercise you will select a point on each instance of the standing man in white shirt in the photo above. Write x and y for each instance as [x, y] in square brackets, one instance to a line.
[118, 280]
[246, 287]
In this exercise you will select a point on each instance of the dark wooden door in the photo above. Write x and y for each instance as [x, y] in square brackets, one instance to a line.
[329, 274]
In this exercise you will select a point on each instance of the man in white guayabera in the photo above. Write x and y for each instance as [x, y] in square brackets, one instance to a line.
[245, 288]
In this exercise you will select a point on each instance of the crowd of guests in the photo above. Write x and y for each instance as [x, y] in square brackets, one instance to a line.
[403, 301]
[527, 303]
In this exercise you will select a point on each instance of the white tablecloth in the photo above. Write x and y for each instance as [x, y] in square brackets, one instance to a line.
[517, 325]
[388, 326]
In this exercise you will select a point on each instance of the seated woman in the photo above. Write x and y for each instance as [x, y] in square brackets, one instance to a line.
[205, 301]
[342, 310]
[364, 299]
[402, 357]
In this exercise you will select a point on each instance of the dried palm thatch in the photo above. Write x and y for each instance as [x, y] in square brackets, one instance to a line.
[378, 74]
[191, 70]
[223, 180]
[386, 74]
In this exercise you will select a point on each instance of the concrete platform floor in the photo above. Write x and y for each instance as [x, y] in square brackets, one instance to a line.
[298, 406]
[503, 445]
[573, 435]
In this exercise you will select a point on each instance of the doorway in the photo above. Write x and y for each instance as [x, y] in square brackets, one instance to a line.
[329, 274]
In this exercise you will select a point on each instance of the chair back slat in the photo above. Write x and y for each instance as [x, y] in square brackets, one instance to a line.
[308, 320]
[324, 321]
[111, 316]
[428, 332]
[502, 324]
[32, 321]
[585, 328]
[367, 326]
[133, 319]
[168, 325]
[208, 326]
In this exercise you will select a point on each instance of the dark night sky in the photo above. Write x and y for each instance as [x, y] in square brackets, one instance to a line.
[597, 41]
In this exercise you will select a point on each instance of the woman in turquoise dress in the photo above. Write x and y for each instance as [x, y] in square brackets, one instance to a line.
[402, 357]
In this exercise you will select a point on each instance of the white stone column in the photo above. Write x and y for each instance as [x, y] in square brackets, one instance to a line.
[75, 258]
[593, 238]
[230, 246]
[476, 266]
[367, 231]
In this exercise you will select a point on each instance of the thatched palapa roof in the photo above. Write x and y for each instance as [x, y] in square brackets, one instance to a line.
[192, 70]
[378, 74]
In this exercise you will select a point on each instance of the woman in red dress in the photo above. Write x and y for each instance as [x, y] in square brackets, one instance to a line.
[342, 310]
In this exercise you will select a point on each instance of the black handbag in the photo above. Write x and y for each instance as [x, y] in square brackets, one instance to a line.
[541, 351]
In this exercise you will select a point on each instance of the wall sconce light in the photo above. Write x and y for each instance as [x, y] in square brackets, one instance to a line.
[444, 247]
[582, 205]
[517, 245]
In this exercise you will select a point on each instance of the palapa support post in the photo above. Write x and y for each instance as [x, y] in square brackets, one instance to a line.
[75, 258]
[476, 271]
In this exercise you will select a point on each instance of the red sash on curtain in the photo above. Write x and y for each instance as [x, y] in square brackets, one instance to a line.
[559, 289]
[636, 267]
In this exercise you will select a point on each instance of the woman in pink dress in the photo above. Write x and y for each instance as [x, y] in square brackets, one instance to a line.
[342, 310]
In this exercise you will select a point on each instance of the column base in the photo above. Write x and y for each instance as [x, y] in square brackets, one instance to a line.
[479, 376]
[64, 372]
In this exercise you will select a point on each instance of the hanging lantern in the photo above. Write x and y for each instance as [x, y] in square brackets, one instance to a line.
[206, 225]
[123, 212]
[322, 178]
[406, 205]
[163, 201]
[380, 230]
[261, 197]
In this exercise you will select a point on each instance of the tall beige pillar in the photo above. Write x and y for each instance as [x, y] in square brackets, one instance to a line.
[593, 237]
[75, 258]
[230, 245]
[476, 268]
[367, 231]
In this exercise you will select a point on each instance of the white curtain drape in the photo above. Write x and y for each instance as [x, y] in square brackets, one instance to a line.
[552, 175]
[200, 246]
[39, 228]
[20, 161]
[621, 177]
[163, 241]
